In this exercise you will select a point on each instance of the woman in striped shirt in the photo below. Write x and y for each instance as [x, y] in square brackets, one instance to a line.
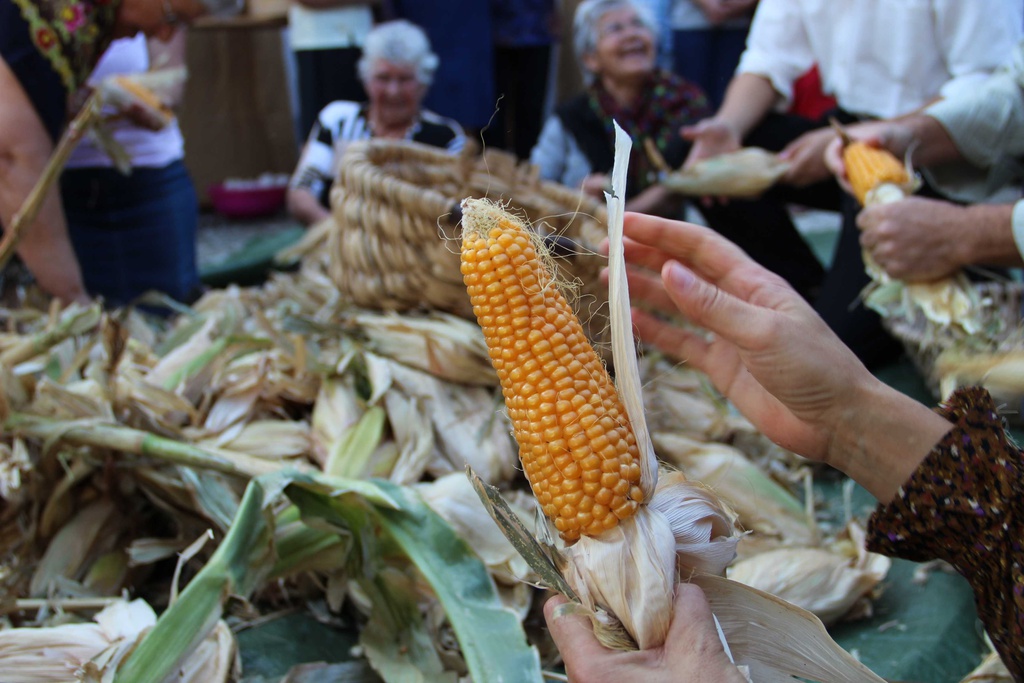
[396, 68]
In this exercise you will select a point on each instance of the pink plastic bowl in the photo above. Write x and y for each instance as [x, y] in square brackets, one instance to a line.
[248, 202]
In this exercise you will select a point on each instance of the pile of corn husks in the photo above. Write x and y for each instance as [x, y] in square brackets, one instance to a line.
[273, 447]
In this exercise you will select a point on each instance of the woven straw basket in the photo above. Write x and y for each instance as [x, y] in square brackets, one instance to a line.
[1001, 307]
[396, 240]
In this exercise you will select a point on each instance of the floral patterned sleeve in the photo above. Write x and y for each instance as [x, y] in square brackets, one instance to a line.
[965, 504]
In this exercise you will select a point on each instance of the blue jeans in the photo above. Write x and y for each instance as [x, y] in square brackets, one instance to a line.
[708, 57]
[133, 233]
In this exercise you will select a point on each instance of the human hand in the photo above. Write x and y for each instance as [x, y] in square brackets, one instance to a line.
[711, 138]
[891, 135]
[692, 649]
[916, 239]
[596, 184]
[769, 352]
[145, 116]
[806, 157]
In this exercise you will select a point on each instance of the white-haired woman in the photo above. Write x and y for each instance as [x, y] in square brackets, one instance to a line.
[396, 68]
[615, 44]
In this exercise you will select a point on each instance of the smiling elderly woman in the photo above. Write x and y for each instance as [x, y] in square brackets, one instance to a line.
[614, 43]
[615, 46]
[47, 50]
[396, 68]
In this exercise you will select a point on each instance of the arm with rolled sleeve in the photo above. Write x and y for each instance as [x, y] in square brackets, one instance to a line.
[976, 38]
[987, 128]
[777, 47]
[988, 124]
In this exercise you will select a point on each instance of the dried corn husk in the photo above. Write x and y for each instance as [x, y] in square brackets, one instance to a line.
[63, 654]
[443, 345]
[763, 506]
[744, 173]
[452, 496]
[822, 581]
[991, 670]
[1002, 373]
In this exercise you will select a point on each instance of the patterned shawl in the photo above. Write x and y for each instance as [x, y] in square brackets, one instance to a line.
[71, 34]
[667, 103]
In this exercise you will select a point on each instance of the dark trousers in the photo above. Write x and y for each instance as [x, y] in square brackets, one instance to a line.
[521, 77]
[708, 57]
[133, 233]
[325, 76]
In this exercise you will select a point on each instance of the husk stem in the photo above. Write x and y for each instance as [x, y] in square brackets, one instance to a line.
[73, 320]
[85, 119]
[137, 442]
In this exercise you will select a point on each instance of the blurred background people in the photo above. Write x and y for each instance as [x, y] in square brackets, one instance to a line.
[462, 34]
[708, 37]
[397, 69]
[47, 50]
[879, 59]
[975, 138]
[615, 45]
[137, 232]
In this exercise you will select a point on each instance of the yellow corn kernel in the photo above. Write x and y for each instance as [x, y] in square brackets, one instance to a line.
[868, 167]
[577, 448]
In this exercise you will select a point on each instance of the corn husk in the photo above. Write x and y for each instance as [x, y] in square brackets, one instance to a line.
[762, 505]
[453, 498]
[991, 670]
[66, 653]
[443, 345]
[336, 409]
[1001, 373]
[745, 173]
[825, 582]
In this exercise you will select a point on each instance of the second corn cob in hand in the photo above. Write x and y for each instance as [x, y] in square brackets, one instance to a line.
[878, 177]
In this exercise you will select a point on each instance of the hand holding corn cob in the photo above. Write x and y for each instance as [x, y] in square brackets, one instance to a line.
[877, 177]
[692, 647]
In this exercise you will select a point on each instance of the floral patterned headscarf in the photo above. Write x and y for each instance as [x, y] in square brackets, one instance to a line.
[71, 34]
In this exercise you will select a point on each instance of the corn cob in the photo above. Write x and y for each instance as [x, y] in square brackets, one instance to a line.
[576, 445]
[878, 177]
[869, 168]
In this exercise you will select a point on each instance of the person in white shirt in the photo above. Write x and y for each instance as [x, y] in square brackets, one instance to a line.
[397, 68]
[137, 232]
[879, 59]
[977, 135]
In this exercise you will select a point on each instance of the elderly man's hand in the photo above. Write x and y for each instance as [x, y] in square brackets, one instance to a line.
[692, 651]
[916, 239]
